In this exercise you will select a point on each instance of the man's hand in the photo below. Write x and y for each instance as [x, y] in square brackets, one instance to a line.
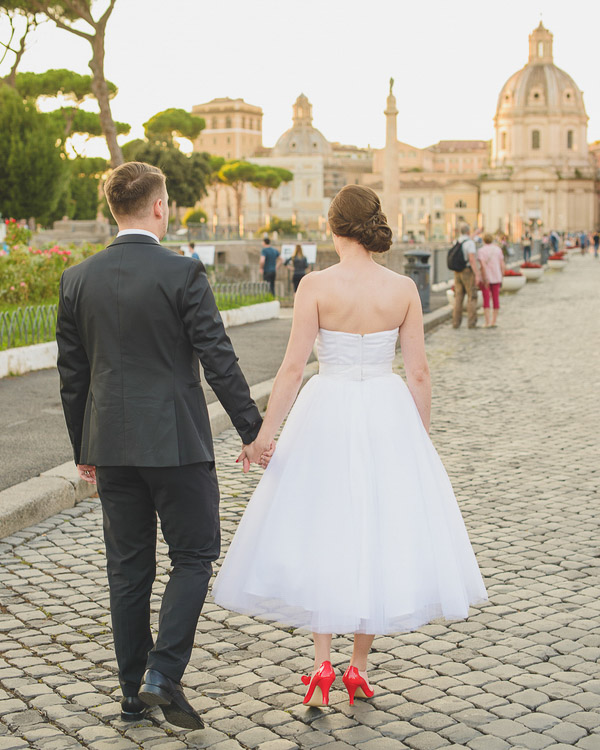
[256, 453]
[87, 473]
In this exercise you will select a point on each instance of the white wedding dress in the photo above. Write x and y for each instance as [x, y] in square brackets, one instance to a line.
[354, 526]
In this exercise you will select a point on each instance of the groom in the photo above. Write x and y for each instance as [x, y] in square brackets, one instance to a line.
[133, 320]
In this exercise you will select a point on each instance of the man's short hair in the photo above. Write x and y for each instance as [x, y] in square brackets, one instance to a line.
[464, 229]
[266, 240]
[132, 187]
[191, 245]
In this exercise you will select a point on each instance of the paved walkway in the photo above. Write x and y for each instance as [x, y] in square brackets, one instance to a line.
[515, 419]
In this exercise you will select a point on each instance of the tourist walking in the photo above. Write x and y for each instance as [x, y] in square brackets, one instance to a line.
[466, 282]
[269, 262]
[354, 527]
[526, 242]
[132, 322]
[491, 259]
[300, 264]
[596, 240]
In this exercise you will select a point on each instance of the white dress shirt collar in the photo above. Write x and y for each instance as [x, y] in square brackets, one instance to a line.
[138, 231]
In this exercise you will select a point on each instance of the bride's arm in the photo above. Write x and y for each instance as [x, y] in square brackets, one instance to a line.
[288, 380]
[412, 345]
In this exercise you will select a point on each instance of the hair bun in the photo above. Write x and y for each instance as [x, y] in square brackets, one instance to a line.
[375, 234]
[355, 212]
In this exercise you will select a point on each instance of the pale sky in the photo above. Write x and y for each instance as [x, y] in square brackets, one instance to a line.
[449, 60]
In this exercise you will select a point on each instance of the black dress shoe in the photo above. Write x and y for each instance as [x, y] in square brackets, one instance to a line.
[132, 709]
[159, 690]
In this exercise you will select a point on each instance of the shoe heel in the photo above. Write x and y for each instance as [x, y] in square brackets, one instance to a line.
[153, 695]
[351, 691]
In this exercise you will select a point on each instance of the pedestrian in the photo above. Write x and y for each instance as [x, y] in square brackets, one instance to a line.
[300, 264]
[354, 527]
[192, 251]
[133, 320]
[466, 281]
[526, 241]
[554, 240]
[596, 240]
[584, 242]
[492, 271]
[270, 260]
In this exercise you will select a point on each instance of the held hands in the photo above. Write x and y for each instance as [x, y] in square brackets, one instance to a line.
[87, 473]
[256, 453]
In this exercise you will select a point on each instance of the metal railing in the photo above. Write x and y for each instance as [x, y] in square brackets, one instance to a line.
[27, 325]
[237, 293]
[34, 325]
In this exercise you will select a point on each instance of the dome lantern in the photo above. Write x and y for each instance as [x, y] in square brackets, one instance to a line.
[540, 45]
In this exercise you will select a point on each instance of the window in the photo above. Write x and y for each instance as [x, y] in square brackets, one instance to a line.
[228, 139]
[535, 139]
[308, 189]
[228, 122]
[438, 215]
[503, 140]
[540, 49]
[409, 201]
[243, 122]
[422, 202]
[569, 139]
[214, 123]
[460, 204]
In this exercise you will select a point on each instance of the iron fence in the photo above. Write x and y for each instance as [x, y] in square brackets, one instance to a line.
[27, 325]
[33, 325]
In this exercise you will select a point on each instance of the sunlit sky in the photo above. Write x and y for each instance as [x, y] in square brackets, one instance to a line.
[449, 60]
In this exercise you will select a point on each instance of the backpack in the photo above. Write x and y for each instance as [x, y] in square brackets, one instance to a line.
[456, 258]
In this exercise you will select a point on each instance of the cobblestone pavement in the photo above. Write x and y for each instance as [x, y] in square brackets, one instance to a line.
[515, 419]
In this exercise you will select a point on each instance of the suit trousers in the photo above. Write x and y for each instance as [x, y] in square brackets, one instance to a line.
[464, 283]
[186, 499]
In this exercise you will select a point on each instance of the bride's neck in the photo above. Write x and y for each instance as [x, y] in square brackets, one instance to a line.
[351, 251]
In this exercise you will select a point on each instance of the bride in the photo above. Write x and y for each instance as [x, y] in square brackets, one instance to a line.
[354, 527]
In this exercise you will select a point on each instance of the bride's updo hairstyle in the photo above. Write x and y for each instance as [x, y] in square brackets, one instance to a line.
[355, 212]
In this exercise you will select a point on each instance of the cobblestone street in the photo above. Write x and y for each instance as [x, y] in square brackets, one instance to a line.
[515, 419]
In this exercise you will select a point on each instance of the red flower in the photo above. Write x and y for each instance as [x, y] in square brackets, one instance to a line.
[557, 256]
[510, 272]
[529, 264]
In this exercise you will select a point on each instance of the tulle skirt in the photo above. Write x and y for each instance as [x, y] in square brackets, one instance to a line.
[354, 527]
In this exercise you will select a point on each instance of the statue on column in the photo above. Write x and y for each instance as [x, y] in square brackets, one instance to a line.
[391, 85]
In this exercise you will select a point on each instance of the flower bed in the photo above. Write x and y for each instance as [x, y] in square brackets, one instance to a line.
[532, 271]
[512, 281]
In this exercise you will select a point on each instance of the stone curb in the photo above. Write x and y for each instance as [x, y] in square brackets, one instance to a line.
[36, 499]
[24, 359]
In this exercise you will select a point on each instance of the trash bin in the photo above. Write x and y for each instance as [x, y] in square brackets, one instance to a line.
[417, 267]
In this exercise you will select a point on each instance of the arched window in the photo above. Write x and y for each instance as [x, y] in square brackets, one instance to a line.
[535, 139]
[569, 139]
[228, 122]
[503, 140]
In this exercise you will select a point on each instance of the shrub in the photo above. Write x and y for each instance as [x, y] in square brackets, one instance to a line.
[194, 216]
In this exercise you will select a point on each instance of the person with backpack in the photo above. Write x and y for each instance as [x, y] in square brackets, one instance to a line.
[462, 259]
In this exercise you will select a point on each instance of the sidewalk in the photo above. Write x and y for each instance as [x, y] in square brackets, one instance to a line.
[515, 418]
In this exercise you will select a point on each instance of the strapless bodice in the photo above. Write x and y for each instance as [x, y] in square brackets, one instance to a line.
[355, 356]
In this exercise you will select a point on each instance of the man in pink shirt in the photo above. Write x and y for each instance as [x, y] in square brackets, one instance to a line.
[491, 259]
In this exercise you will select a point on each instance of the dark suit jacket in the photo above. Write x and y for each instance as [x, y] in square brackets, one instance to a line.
[132, 322]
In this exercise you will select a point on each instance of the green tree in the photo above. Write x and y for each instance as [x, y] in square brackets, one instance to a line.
[68, 15]
[163, 126]
[187, 175]
[15, 46]
[71, 86]
[34, 171]
[267, 180]
[236, 174]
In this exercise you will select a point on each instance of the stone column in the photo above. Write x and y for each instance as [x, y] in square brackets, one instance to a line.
[391, 172]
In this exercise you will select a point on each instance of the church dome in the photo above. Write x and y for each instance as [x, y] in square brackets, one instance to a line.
[302, 137]
[540, 118]
[540, 87]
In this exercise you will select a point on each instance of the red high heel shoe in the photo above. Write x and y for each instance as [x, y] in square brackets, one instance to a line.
[319, 684]
[356, 685]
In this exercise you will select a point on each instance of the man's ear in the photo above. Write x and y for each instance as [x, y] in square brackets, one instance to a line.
[158, 209]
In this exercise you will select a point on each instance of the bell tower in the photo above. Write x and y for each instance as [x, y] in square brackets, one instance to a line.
[540, 45]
